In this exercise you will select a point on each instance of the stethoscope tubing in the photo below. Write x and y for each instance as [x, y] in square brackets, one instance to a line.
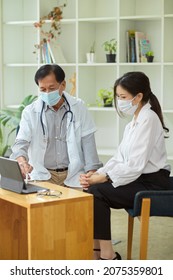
[68, 111]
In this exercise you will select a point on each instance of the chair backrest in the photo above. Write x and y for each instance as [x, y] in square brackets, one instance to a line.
[161, 202]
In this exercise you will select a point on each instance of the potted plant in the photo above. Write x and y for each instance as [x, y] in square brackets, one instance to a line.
[3, 143]
[90, 55]
[10, 119]
[110, 48]
[150, 56]
[106, 97]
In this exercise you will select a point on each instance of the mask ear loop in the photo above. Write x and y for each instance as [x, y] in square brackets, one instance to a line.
[133, 99]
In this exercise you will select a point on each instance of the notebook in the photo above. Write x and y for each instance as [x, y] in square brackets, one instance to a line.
[12, 179]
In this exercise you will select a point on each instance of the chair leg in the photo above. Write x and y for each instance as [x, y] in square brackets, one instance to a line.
[144, 219]
[130, 237]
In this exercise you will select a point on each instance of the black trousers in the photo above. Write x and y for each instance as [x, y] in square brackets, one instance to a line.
[106, 197]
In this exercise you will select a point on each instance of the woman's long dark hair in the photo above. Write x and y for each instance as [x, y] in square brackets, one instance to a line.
[136, 82]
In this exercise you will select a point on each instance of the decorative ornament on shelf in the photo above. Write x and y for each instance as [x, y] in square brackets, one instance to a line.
[72, 80]
[54, 16]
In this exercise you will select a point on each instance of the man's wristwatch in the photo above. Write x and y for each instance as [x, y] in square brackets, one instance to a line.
[108, 178]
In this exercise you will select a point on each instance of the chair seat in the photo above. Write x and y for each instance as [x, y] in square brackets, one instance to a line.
[161, 203]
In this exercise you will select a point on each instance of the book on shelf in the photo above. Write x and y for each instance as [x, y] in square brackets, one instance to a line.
[50, 52]
[138, 37]
[46, 53]
[48, 58]
[137, 45]
[144, 48]
[130, 46]
[42, 54]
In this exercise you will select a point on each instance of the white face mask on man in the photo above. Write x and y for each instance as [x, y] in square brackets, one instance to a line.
[51, 98]
[126, 106]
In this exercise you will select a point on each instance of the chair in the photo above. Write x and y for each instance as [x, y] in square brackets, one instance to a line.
[146, 204]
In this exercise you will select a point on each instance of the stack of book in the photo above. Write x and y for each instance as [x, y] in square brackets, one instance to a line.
[137, 45]
[51, 53]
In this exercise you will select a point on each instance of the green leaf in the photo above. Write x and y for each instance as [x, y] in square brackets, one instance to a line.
[11, 117]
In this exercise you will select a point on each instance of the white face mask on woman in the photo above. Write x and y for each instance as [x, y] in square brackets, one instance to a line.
[126, 106]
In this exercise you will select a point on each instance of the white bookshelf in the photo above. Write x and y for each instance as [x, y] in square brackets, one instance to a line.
[86, 21]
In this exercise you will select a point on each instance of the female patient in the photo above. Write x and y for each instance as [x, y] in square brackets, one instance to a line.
[139, 164]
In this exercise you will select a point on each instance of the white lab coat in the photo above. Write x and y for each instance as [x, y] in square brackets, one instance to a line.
[31, 131]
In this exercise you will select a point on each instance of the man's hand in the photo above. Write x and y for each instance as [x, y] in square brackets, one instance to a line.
[24, 166]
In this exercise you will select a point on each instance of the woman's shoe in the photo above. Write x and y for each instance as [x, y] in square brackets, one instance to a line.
[117, 257]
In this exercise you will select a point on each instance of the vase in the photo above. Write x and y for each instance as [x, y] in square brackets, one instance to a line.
[150, 58]
[107, 102]
[90, 57]
[111, 58]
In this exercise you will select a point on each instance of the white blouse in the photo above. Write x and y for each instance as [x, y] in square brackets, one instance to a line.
[142, 149]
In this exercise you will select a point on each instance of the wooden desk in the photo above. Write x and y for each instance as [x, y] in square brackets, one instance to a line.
[43, 228]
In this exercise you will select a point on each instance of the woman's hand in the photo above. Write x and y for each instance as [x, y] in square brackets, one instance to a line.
[84, 180]
[89, 179]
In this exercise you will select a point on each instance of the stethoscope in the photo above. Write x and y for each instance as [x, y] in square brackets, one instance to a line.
[66, 112]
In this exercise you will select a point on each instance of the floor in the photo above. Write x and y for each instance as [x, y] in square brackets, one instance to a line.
[160, 244]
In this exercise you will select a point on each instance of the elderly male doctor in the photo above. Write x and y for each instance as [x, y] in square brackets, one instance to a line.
[56, 140]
